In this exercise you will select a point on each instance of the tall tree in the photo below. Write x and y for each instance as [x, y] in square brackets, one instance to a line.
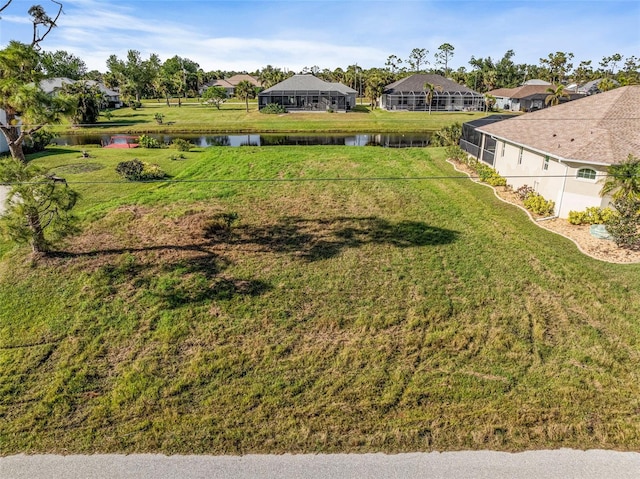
[27, 108]
[417, 58]
[63, 64]
[557, 65]
[444, 54]
[35, 201]
[245, 90]
[134, 75]
[393, 63]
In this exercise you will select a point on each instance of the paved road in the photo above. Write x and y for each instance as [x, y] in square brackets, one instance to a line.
[558, 464]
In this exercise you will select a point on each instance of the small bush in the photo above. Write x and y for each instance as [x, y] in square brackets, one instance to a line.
[624, 226]
[178, 157]
[593, 215]
[273, 109]
[538, 205]
[524, 191]
[136, 170]
[159, 117]
[148, 142]
[37, 141]
[181, 144]
[135, 105]
[447, 136]
[454, 152]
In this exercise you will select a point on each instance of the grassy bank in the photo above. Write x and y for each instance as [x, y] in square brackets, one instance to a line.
[196, 118]
[334, 316]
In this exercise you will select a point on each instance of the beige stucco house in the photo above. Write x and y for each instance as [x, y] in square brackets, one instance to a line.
[563, 152]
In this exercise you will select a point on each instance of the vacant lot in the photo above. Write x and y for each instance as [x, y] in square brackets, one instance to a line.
[334, 315]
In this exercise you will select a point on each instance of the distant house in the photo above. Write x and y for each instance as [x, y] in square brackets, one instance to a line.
[563, 152]
[593, 87]
[309, 93]
[111, 97]
[229, 84]
[409, 94]
[528, 97]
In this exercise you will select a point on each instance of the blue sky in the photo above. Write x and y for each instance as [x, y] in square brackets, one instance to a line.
[250, 34]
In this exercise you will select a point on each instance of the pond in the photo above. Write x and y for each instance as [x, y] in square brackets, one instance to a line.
[387, 140]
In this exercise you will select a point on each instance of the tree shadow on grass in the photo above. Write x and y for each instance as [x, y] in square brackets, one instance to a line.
[318, 239]
[197, 278]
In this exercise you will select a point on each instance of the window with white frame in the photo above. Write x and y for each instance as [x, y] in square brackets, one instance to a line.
[520, 156]
[502, 150]
[545, 165]
[586, 173]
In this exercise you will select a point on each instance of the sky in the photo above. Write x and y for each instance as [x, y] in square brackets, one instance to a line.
[246, 35]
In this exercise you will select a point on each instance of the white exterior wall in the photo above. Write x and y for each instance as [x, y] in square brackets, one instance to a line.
[558, 182]
[3, 142]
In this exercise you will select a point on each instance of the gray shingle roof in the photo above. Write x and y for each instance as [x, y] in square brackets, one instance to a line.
[308, 83]
[598, 129]
[415, 83]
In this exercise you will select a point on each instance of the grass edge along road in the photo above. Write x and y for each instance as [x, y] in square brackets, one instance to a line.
[333, 316]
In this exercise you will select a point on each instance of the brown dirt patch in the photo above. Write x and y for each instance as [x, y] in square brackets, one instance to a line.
[603, 250]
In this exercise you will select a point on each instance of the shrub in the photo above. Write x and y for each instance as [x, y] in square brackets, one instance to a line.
[136, 170]
[148, 142]
[135, 104]
[181, 144]
[454, 152]
[273, 109]
[447, 136]
[158, 117]
[37, 141]
[524, 191]
[624, 226]
[489, 175]
[593, 215]
[131, 170]
[537, 204]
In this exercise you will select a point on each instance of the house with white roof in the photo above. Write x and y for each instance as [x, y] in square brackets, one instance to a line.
[564, 152]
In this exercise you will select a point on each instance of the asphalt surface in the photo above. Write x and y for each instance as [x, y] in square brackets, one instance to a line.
[556, 464]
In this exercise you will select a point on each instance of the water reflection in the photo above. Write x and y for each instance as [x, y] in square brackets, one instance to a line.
[387, 140]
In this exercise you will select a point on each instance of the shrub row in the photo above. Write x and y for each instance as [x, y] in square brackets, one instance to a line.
[179, 144]
[593, 215]
[485, 173]
[273, 109]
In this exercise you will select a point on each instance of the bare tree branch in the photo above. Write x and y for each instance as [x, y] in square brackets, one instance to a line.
[6, 5]
[40, 17]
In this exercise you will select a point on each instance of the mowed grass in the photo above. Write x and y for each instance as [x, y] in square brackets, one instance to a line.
[334, 316]
[193, 117]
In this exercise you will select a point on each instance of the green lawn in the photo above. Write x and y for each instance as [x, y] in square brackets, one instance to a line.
[233, 117]
[335, 316]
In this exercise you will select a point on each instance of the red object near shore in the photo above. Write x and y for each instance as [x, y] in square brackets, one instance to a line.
[122, 141]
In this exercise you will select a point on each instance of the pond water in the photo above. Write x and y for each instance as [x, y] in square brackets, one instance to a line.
[388, 140]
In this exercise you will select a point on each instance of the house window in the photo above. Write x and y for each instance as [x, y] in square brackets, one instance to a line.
[520, 156]
[502, 150]
[545, 165]
[586, 173]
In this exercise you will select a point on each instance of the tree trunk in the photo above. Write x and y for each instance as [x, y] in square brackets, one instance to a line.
[17, 153]
[246, 100]
[38, 243]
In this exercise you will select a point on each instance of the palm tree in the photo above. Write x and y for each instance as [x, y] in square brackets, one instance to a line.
[429, 88]
[623, 179]
[555, 94]
[244, 91]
